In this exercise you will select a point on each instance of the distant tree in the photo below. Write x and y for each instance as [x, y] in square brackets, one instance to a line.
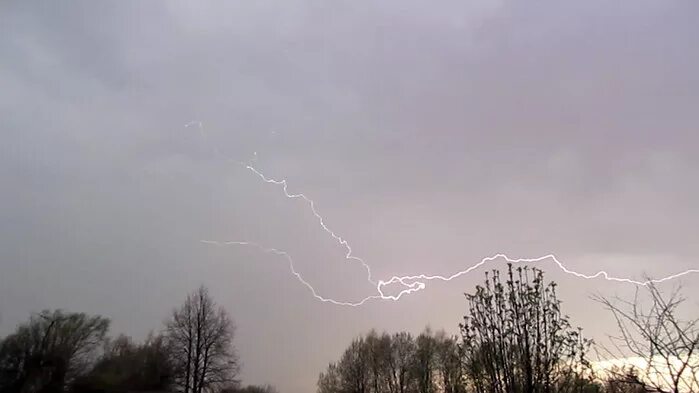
[329, 381]
[424, 362]
[50, 351]
[251, 389]
[126, 366]
[379, 357]
[624, 380]
[667, 344]
[401, 362]
[200, 338]
[448, 363]
[353, 368]
[395, 364]
[515, 338]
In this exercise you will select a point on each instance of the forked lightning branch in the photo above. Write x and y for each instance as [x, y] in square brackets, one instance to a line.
[410, 284]
[414, 283]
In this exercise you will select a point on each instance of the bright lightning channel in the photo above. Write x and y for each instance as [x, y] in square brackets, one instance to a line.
[311, 204]
[413, 283]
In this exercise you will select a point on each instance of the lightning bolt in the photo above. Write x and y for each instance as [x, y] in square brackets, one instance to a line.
[311, 204]
[293, 271]
[412, 283]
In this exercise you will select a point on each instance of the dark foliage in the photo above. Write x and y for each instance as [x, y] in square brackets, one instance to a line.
[57, 352]
[126, 366]
[47, 353]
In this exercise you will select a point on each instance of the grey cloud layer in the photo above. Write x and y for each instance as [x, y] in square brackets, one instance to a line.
[430, 135]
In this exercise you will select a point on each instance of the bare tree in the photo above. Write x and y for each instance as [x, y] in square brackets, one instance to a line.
[667, 347]
[396, 364]
[515, 338]
[378, 350]
[200, 336]
[424, 362]
[401, 360]
[448, 363]
[329, 381]
[353, 368]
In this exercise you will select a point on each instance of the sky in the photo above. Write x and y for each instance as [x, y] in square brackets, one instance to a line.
[429, 134]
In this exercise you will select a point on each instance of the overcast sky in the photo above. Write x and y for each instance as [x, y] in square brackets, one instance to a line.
[430, 135]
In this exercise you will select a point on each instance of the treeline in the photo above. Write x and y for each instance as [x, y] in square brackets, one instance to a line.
[515, 339]
[57, 351]
[398, 363]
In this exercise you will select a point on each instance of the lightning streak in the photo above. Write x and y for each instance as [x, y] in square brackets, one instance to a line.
[411, 284]
[293, 271]
[311, 204]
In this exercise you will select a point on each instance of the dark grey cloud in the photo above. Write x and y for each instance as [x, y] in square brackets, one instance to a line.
[430, 135]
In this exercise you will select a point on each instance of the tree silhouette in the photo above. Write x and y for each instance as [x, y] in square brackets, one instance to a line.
[50, 351]
[666, 344]
[200, 337]
[515, 338]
